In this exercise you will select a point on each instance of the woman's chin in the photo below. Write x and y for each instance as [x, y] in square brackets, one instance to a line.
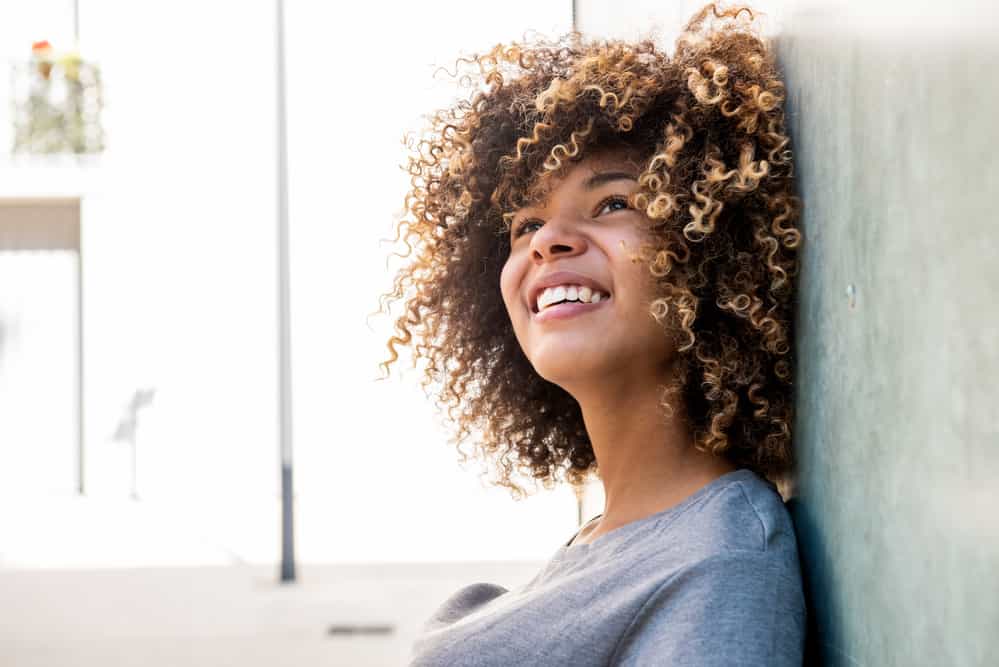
[567, 368]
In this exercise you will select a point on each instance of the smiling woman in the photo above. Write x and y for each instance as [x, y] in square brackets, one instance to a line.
[605, 247]
[585, 243]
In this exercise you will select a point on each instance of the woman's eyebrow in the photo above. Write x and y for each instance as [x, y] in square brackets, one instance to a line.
[598, 179]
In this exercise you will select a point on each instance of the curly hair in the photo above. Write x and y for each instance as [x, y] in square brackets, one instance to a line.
[717, 190]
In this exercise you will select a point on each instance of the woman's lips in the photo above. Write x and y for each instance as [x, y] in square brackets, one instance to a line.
[562, 311]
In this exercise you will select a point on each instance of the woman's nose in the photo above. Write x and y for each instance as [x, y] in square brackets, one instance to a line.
[559, 237]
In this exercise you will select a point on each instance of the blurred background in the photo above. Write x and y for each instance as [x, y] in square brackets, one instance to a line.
[163, 359]
[140, 464]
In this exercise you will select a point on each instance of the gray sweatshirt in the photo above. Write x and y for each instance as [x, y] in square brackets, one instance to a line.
[714, 580]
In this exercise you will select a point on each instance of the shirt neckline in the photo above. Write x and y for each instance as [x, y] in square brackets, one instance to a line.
[632, 526]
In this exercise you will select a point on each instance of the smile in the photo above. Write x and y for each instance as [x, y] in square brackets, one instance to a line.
[560, 294]
[568, 309]
[556, 294]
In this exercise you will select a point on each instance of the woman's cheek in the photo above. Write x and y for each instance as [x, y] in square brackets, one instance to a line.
[508, 285]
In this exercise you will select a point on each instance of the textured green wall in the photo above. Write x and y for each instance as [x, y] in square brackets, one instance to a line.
[895, 124]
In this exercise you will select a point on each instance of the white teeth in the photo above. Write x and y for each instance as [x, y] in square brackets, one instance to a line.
[559, 293]
[547, 298]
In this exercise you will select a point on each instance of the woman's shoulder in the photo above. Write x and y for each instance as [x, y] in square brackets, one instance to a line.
[744, 513]
[720, 574]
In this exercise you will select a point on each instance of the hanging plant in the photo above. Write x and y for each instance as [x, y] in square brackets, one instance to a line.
[57, 102]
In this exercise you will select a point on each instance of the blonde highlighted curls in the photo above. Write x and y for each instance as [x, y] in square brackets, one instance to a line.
[717, 186]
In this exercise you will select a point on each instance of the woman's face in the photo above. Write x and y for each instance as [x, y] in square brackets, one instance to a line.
[584, 236]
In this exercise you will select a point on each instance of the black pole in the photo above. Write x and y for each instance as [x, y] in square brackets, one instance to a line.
[284, 316]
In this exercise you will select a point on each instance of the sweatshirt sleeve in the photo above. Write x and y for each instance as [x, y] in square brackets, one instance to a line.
[735, 608]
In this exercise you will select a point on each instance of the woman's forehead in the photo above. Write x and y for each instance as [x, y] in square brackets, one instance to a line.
[626, 159]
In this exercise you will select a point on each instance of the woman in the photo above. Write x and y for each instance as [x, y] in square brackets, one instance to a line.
[603, 284]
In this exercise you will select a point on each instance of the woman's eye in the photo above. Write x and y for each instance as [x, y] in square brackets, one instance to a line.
[524, 225]
[614, 200]
[603, 206]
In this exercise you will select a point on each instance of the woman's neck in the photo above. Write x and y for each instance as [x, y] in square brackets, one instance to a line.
[647, 461]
